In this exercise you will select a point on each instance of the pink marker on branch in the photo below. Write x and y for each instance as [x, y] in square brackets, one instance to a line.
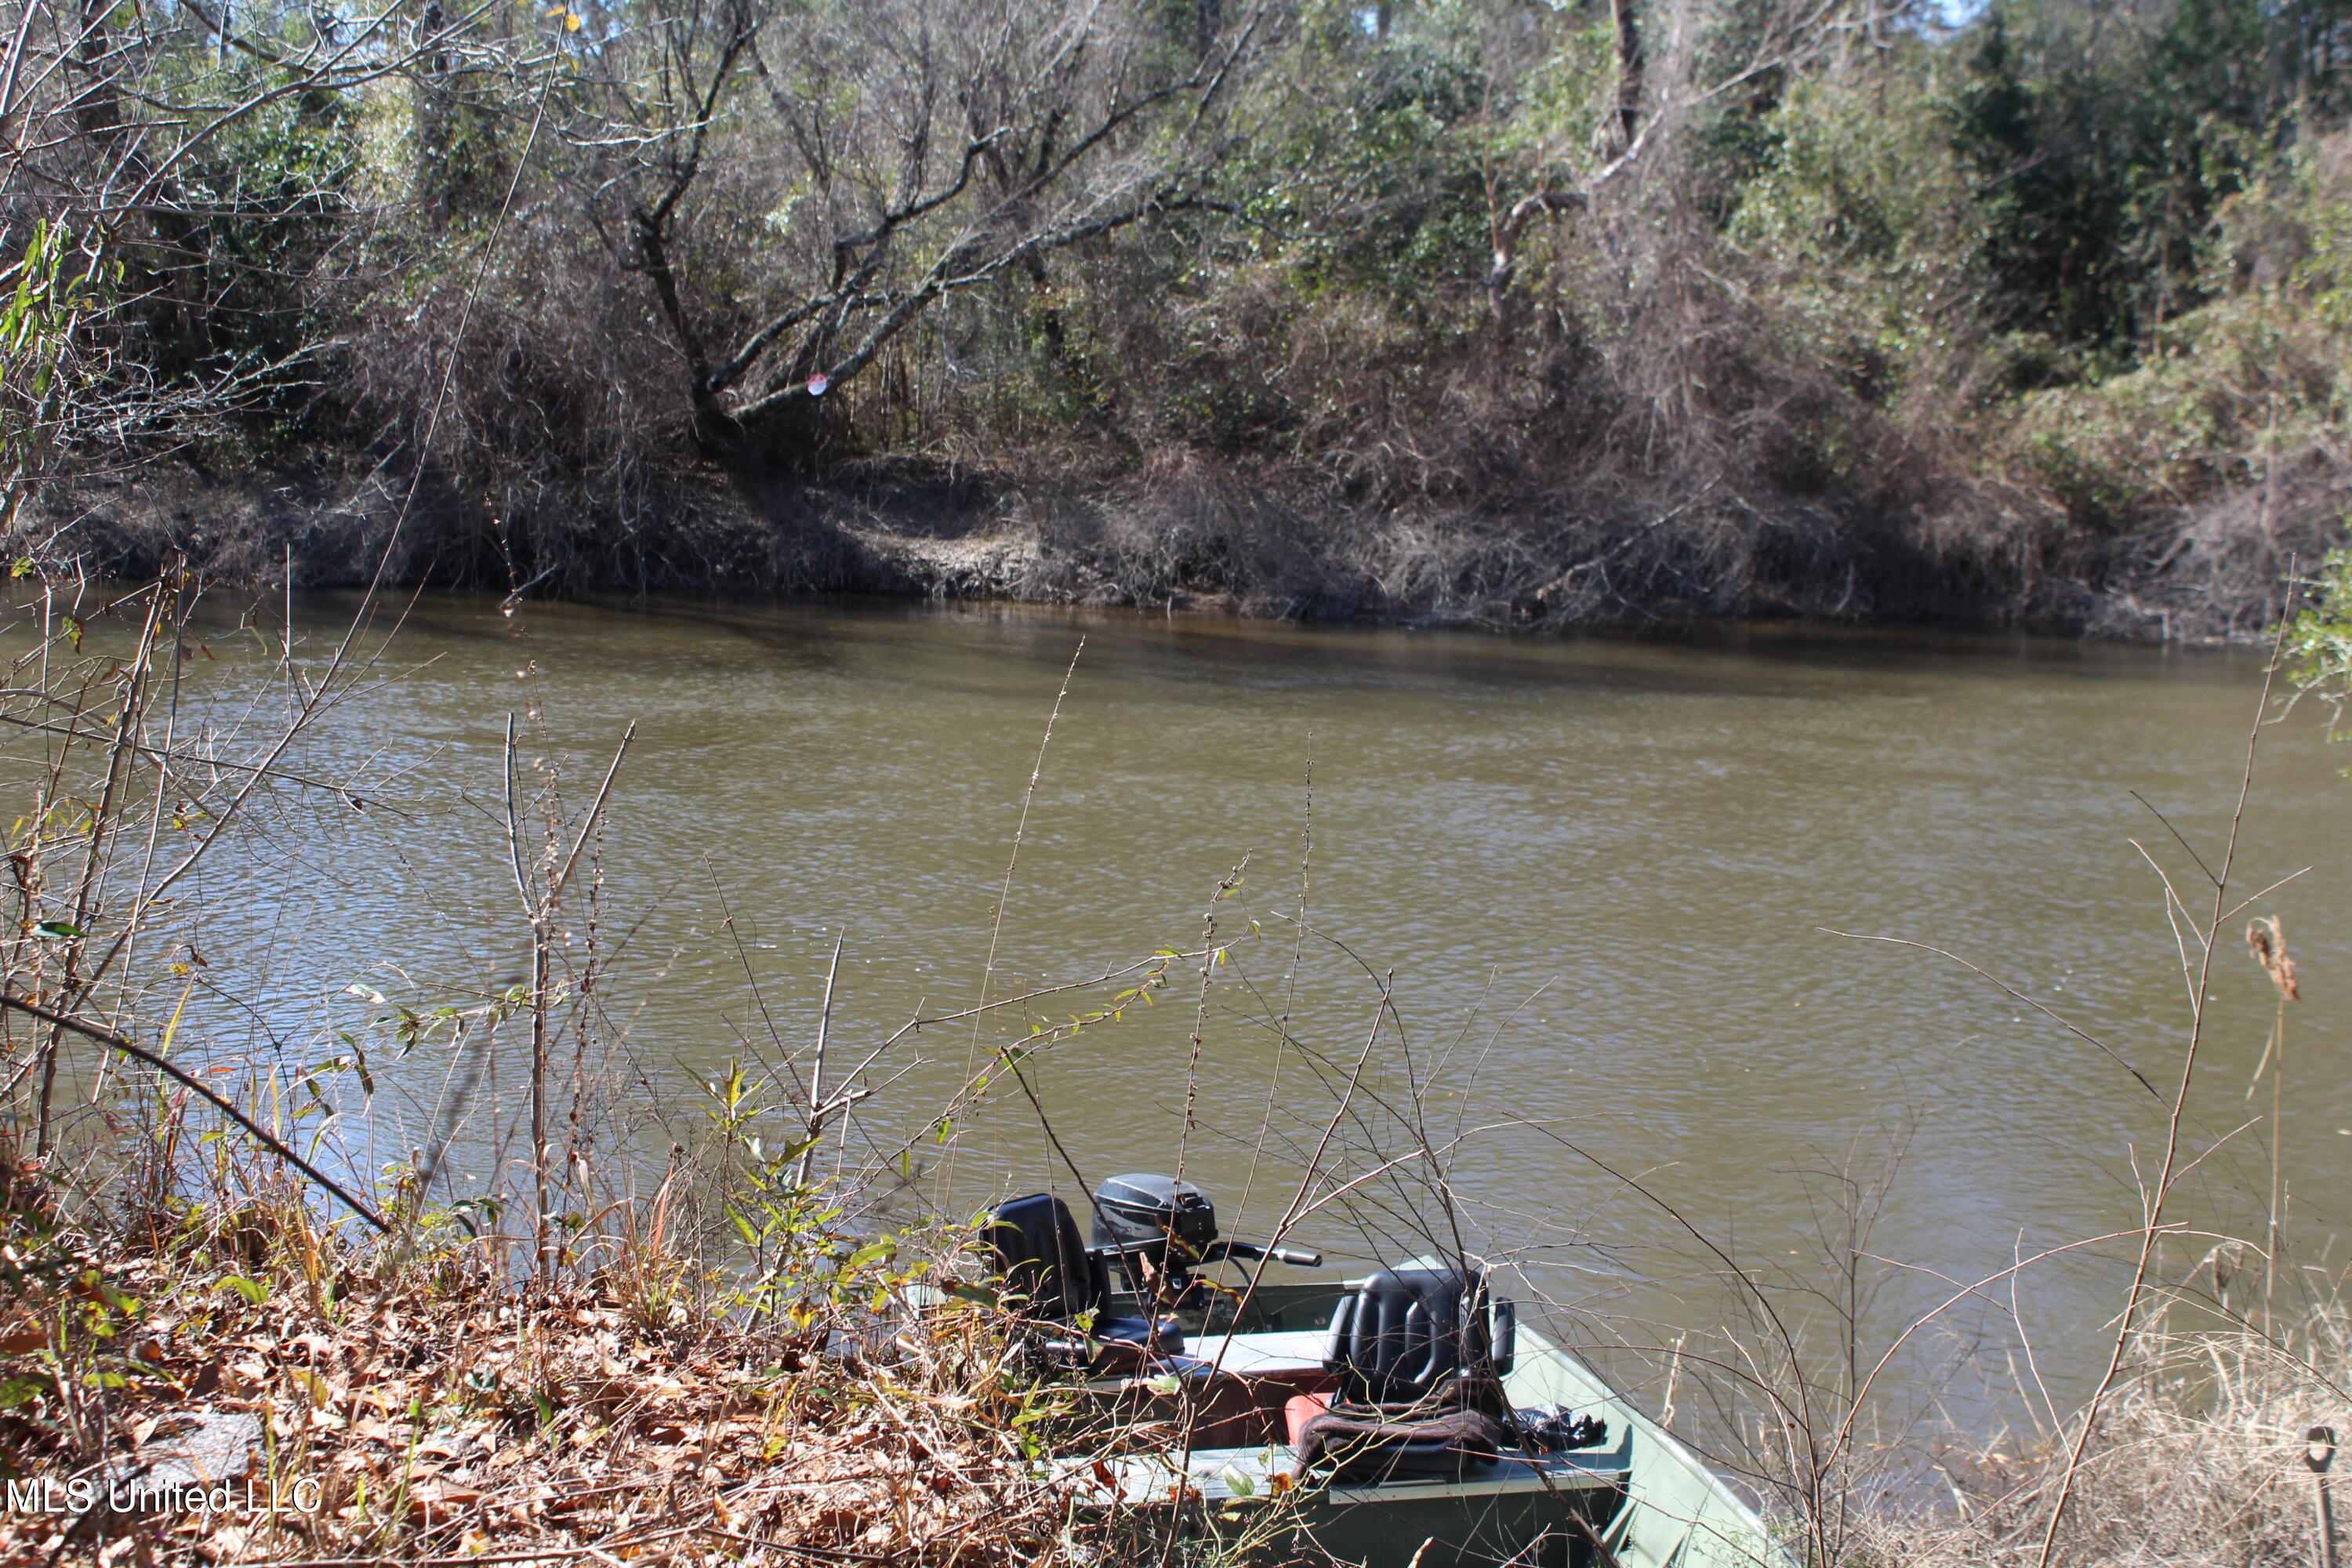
[817, 384]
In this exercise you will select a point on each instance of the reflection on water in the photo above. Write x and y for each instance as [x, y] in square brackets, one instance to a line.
[1594, 876]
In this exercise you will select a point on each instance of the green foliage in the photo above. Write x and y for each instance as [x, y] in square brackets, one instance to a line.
[1732, 148]
[2319, 640]
[52, 288]
[271, 199]
[2116, 252]
[2095, 176]
[1378, 185]
[38, 1250]
[1855, 215]
[2258, 373]
[798, 1264]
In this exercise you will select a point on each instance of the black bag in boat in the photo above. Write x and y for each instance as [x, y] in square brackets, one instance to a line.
[1377, 1443]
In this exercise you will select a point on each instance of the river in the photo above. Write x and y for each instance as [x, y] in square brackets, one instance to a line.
[1595, 877]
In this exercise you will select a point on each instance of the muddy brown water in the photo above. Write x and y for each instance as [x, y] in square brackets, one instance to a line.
[1593, 877]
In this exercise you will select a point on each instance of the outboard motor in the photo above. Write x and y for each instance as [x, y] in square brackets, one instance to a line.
[1165, 1221]
[1171, 1226]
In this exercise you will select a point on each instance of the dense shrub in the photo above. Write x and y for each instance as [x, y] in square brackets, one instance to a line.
[1992, 316]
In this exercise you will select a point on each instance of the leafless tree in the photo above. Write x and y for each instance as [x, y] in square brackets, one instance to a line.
[800, 185]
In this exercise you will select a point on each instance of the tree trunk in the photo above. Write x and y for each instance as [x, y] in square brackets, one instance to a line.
[1625, 115]
[431, 99]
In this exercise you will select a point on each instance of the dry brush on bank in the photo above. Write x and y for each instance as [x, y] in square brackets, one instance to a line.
[1457, 311]
[420, 1407]
[2205, 1461]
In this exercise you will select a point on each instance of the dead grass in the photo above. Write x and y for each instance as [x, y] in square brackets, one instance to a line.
[422, 1409]
[2200, 1462]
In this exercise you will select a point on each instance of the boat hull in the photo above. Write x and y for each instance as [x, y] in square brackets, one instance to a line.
[1639, 1499]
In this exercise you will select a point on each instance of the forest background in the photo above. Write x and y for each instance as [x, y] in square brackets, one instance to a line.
[1500, 312]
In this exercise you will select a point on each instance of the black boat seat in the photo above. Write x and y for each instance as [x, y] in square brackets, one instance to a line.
[1051, 1279]
[1417, 1356]
[1409, 1333]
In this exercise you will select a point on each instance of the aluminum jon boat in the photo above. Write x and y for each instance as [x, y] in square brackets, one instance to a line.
[1402, 1420]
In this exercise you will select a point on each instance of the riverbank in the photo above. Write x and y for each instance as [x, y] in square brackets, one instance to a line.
[1204, 535]
[241, 1382]
[233, 1380]
[1483, 316]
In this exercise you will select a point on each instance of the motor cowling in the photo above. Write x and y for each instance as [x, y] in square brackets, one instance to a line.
[1165, 1220]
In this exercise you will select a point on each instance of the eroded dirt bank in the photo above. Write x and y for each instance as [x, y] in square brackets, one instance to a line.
[1254, 543]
